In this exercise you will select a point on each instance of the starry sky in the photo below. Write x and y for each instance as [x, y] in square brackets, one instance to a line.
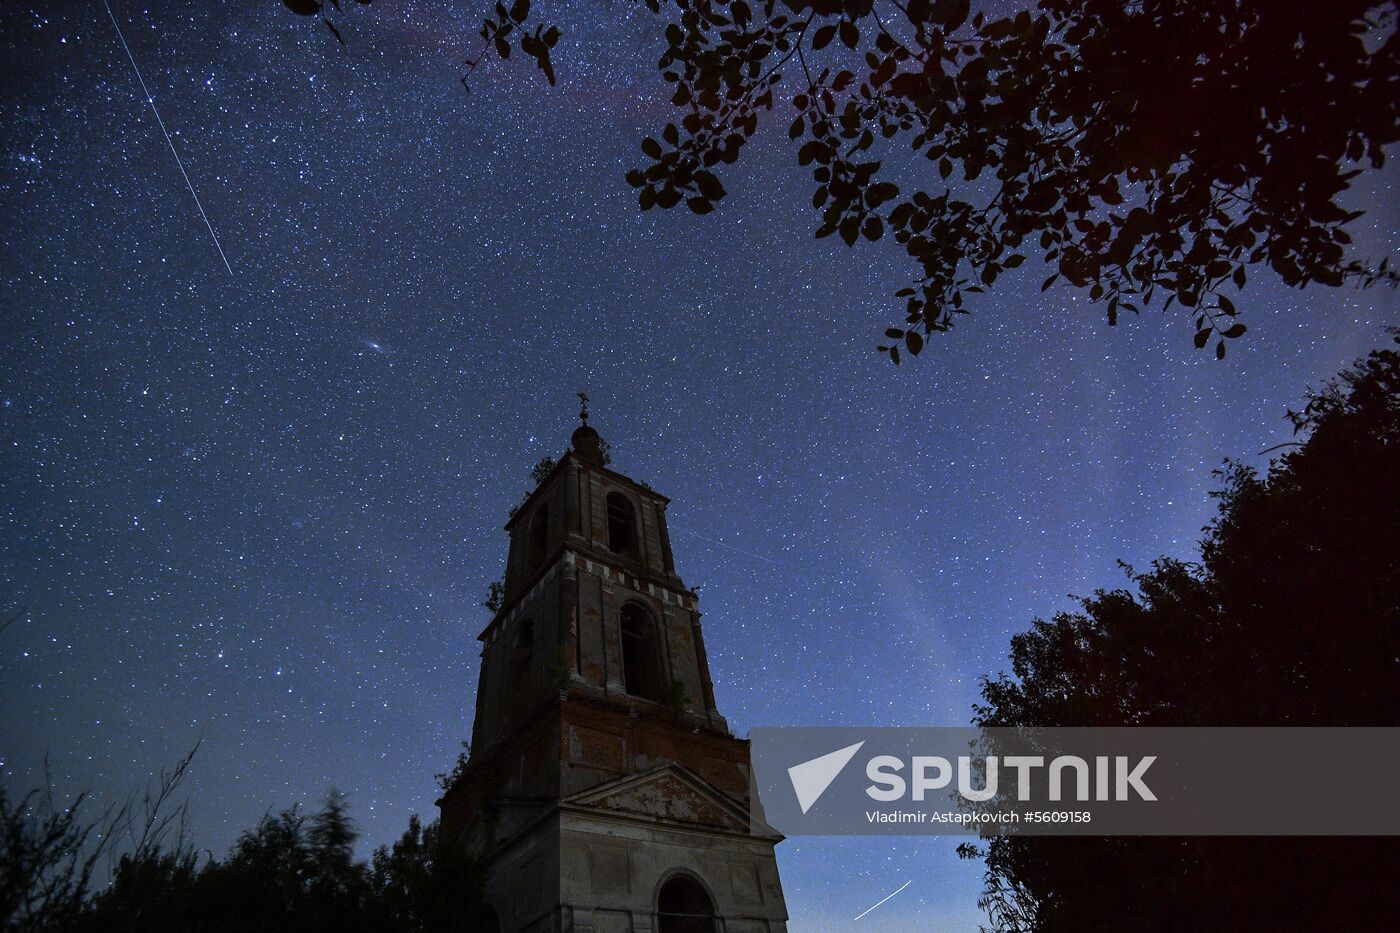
[260, 510]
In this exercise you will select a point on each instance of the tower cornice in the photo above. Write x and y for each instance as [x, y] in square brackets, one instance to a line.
[569, 456]
[608, 570]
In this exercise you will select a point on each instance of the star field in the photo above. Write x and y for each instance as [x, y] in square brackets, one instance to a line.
[261, 510]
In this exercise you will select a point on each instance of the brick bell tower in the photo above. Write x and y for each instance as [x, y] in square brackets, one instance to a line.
[604, 791]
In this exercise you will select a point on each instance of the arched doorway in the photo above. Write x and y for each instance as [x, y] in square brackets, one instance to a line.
[682, 906]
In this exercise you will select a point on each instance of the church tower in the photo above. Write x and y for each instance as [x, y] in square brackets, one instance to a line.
[603, 790]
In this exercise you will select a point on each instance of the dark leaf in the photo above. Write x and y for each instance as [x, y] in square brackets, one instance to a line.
[880, 193]
[951, 13]
[850, 35]
[709, 185]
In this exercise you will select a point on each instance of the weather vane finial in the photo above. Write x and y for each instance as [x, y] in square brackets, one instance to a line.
[583, 407]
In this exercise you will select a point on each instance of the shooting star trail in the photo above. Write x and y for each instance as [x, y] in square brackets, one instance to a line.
[151, 100]
[730, 546]
[887, 897]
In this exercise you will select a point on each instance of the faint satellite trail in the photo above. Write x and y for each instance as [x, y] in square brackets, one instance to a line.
[730, 546]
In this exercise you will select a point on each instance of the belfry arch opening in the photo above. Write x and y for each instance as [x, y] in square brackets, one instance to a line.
[641, 654]
[622, 525]
[524, 653]
[537, 543]
[683, 906]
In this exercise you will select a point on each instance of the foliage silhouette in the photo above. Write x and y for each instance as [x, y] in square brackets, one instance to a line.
[1291, 618]
[51, 854]
[1150, 152]
[292, 872]
[538, 474]
[541, 470]
[446, 780]
[495, 596]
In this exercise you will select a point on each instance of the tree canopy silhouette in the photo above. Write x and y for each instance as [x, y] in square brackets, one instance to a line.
[1291, 618]
[292, 872]
[1151, 152]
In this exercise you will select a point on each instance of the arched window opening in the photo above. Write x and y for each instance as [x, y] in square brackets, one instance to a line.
[668, 562]
[682, 906]
[641, 654]
[524, 653]
[622, 524]
[538, 539]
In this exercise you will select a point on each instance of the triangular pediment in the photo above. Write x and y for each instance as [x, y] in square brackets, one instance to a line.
[670, 793]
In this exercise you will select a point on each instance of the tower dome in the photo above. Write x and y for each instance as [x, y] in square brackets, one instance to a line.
[586, 441]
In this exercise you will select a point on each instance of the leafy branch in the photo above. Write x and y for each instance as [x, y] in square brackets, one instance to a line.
[1151, 153]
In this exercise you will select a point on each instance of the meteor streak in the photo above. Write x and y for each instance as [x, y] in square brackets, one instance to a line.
[150, 100]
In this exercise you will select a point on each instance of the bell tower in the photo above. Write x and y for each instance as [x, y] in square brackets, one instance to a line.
[603, 790]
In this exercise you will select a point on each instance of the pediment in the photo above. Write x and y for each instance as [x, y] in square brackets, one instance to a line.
[671, 793]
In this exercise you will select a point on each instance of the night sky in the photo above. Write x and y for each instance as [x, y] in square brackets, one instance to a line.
[262, 509]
